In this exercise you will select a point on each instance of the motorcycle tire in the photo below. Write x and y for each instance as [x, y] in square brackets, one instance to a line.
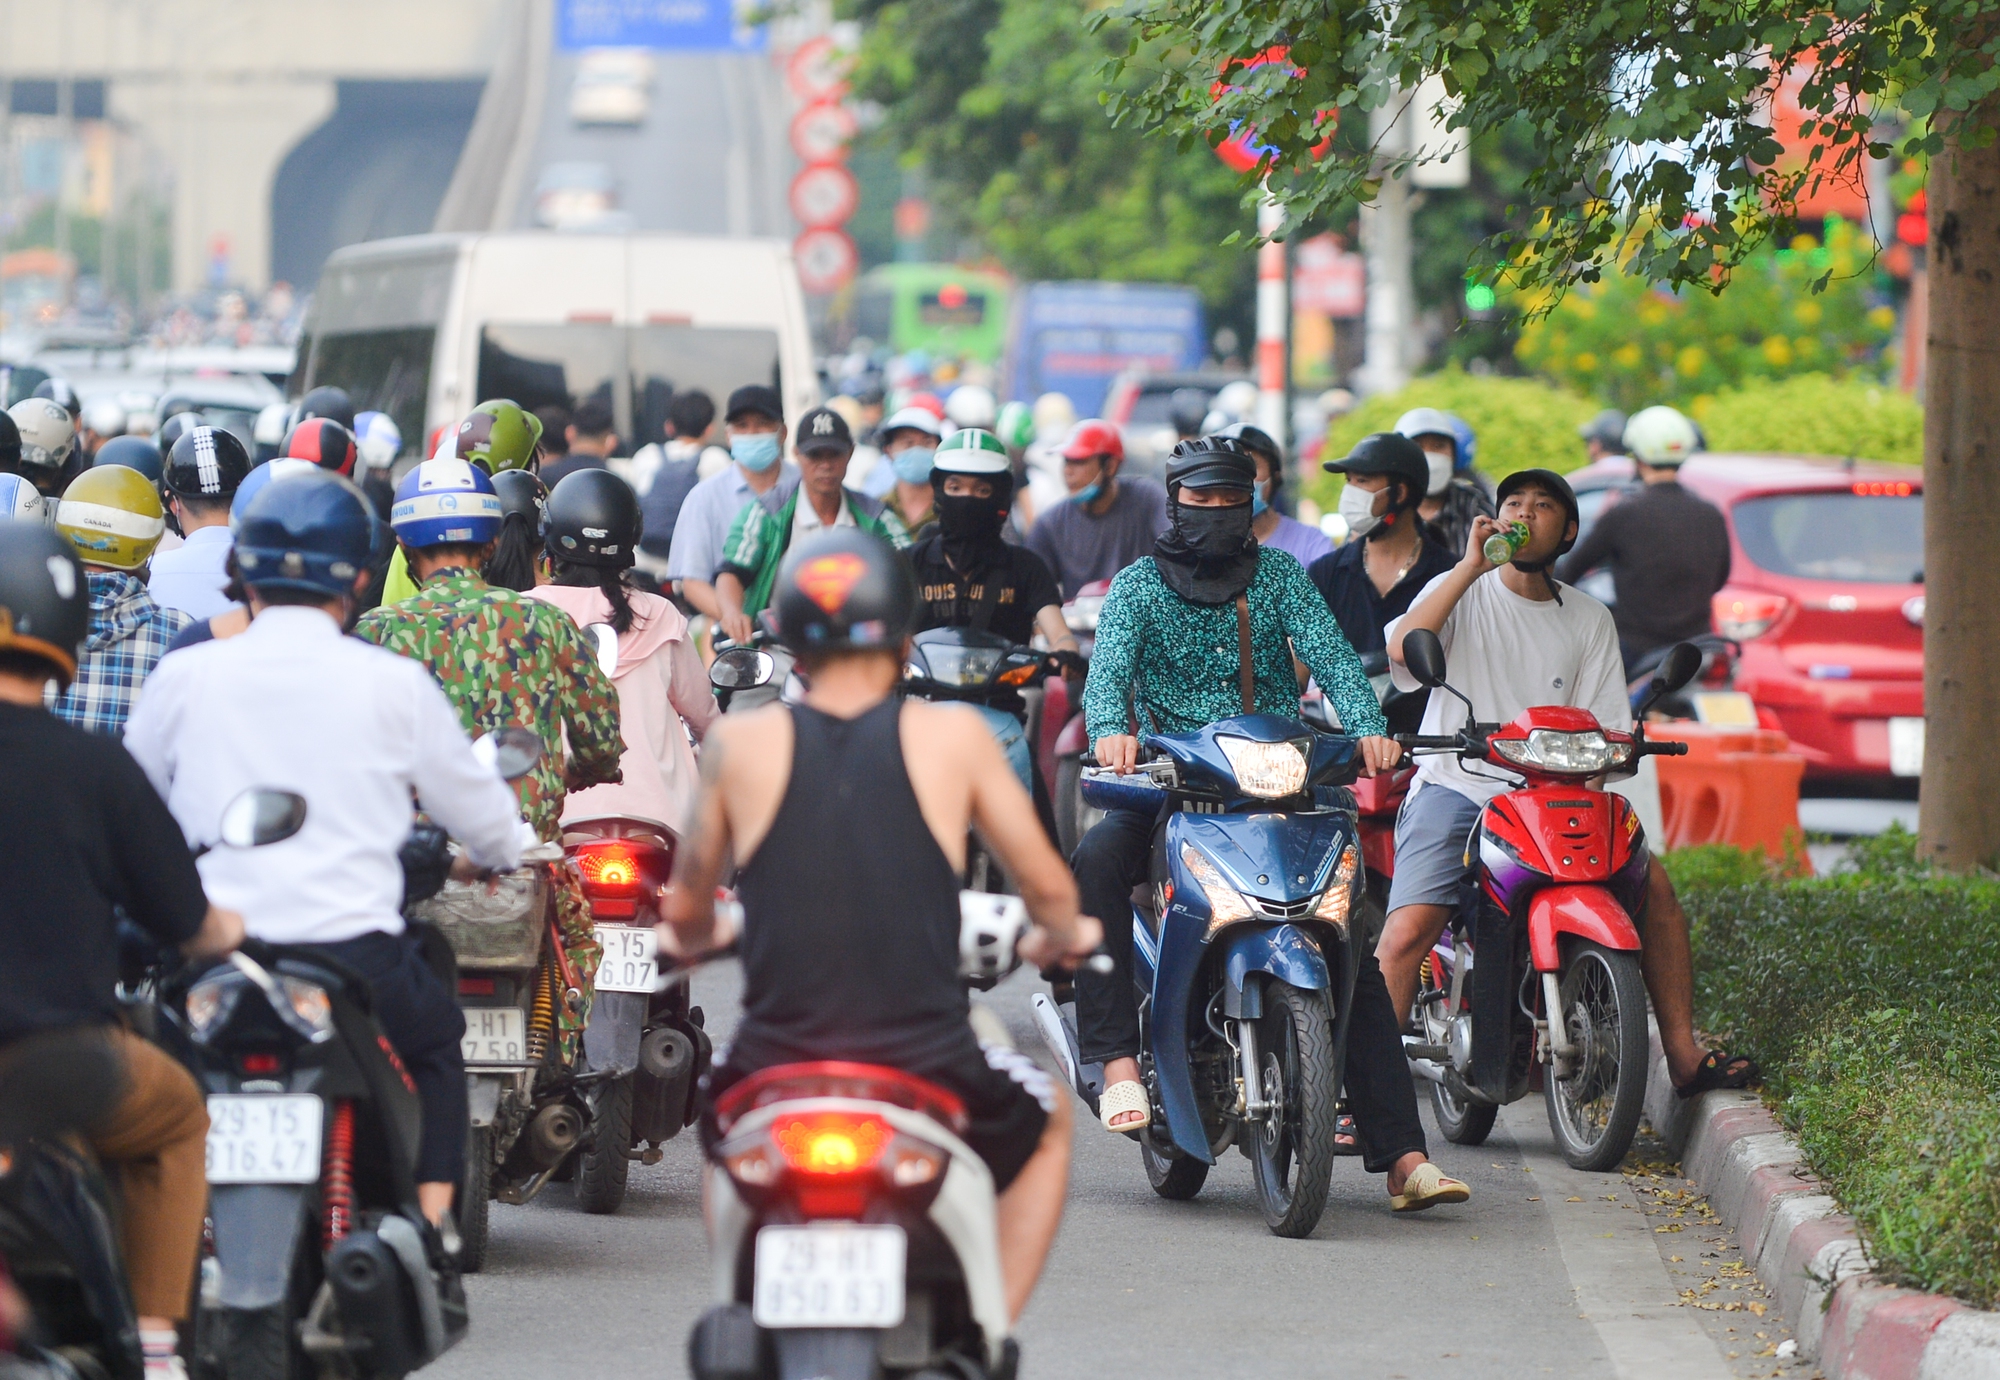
[1066, 801]
[1461, 1123]
[263, 1343]
[1595, 1112]
[1291, 1153]
[474, 1209]
[1175, 1177]
[602, 1168]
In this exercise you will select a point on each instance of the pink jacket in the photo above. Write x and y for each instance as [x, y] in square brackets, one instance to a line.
[663, 697]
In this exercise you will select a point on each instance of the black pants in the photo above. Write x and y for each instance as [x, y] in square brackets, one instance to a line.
[420, 1015]
[1113, 858]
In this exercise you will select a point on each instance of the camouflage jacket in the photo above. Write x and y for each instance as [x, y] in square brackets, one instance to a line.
[503, 659]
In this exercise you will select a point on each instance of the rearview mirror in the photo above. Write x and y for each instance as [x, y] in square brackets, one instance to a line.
[741, 668]
[1423, 655]
[606, 638]
[510, 753]
[259, 816]
[1681, 664]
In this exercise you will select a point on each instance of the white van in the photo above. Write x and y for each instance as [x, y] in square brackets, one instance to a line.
[425, 327]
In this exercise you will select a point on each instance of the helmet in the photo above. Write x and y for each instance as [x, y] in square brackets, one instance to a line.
[1054, 415]
[1553, 483]
[1186, 409]
[1257, 441]
[1433, 421]
[1607, 428]
[206, 462]
[10, 441]
[970, 404]
[1015, 426]
[20, 501]
[1237, 398]
[267, 434]
[928, 402]
[112, 516]
[910, 419]
[444, 503]
[323, 441]
[173, 428]
[47, 433]
[310, 531]
[327, 402]
[1210, 462]
[1386, 452]
[523, 493]
[59, 392]
[972, 451]
[1093, 437]
[1662, 437]
[44, 598]
[254, 482]
[105, 416]
[134, 453]
[499, 435]
[593, 520]
[377, 439]
[844, 587]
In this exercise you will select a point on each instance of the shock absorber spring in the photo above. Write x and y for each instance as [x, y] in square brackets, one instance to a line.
[337, 1175]
[542, 1018]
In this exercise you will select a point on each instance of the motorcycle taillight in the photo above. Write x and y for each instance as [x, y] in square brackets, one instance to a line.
[831, 1142]
[608, 867]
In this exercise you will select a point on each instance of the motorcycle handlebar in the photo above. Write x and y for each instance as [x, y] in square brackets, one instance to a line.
[1649, 748]
[1420, 740]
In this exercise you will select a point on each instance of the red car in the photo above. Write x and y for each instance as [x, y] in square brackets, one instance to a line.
[1826, 598]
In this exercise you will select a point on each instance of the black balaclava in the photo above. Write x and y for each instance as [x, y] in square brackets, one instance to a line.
[970, 527]
[1208, 555]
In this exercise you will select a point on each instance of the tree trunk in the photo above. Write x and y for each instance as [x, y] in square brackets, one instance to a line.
[1961, 780]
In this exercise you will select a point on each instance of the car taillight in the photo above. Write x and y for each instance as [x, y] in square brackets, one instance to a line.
[1883, 488]
[611, 868]
[1743, 614]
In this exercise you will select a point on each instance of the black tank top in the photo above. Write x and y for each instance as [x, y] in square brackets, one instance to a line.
[850, 911]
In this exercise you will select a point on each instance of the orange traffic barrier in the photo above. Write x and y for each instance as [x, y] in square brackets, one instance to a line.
[1736, 785]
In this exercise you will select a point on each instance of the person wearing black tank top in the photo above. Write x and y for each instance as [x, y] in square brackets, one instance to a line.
[845, 819]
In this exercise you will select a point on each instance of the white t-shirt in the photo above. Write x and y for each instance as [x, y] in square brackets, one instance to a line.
[1507, 653]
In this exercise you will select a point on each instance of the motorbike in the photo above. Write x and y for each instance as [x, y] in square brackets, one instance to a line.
[1063, 739]
[1719, 656]
[1243, 954]
[748, 676]
[1536, 977]
[58, 1216]
[321, 1258]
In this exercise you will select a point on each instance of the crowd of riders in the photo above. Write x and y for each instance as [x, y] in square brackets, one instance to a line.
[178, 612]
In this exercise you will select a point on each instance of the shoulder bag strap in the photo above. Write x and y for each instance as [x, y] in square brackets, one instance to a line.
[989, 598]
[1246, 677]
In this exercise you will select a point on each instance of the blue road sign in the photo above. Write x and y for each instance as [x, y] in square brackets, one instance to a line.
[712, 25]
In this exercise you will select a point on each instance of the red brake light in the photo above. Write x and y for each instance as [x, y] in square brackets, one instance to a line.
[1744, 614]
[1883, 488]
[475, 986]
[260, 1063]
[831, 1142]
[609, 867]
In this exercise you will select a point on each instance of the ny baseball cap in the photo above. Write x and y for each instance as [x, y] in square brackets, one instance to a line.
[823, 429]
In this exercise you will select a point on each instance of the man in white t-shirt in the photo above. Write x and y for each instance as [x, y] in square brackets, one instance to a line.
[1515, 638]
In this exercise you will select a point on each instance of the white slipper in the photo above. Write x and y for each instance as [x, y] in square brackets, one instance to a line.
[1122, 1099]
[1427, 1186]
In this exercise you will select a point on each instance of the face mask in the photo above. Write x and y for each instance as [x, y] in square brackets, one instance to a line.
[1090, 493]
[913, 466]
[1215, 533]
[1258, 507]
[964, 518]
[1357, 505]
[1440, 471]
[756, 453]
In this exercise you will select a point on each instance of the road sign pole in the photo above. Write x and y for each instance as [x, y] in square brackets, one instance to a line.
[1273, 311]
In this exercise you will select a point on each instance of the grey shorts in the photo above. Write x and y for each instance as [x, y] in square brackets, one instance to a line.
[1431, 832]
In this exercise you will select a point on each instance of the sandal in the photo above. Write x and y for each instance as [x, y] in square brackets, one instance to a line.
[1428, 1186]
[1720, 1071]
[1346, 1141]
[1123, 1099]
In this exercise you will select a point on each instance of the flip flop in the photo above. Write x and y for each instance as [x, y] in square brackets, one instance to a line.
[1346, 1141]
[1721, 1071]
[1426, 1187]
[1122, 1099]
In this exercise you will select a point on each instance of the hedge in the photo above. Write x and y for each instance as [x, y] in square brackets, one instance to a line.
[1811, 414]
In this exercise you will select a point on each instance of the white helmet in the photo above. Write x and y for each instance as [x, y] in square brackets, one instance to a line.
[270, 427]
[20, 501]
[47, 434]
[1661, 436]
[1237, 399]
[378, 438]
[989, 928]
[105, 416]
[1054, 415]
[972, 404]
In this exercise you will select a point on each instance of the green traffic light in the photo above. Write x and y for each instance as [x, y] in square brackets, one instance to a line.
[1479, 297]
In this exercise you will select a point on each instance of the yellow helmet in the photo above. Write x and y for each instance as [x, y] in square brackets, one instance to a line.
[112, 516]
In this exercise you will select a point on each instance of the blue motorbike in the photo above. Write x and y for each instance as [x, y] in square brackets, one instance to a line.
[1242, 955]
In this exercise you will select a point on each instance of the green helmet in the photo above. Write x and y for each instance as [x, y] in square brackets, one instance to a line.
[1016, 426]
[970, 450]
[498, 435]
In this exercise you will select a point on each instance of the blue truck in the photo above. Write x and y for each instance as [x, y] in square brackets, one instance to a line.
[1074, 338]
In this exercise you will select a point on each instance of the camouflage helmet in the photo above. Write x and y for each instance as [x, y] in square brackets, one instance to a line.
[499, 434]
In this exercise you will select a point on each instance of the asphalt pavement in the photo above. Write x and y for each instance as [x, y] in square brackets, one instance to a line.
[1545, 1272]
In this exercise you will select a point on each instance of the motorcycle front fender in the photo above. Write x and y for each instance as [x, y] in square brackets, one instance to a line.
[256, 1239]
[1588, 912]
[1284, 952]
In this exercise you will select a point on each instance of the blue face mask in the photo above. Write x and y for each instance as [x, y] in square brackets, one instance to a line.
[1090, 494]
[1258, 507]
[755, 453]
[913, 466]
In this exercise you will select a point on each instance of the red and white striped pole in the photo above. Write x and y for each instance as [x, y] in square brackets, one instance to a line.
[1274, 302]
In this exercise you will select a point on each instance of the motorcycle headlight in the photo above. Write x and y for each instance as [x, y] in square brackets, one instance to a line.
[1225, 903]
[1338, 899]
[1268, 771]
[209, 1000]
[1568, 754]
[310, 1005]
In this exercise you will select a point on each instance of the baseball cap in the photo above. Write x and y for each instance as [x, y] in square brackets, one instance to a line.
[754, 397]
[1385, 452]
[823, 429]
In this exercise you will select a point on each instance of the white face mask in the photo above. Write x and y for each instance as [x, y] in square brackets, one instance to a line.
[1440, 463]
[1357, 505]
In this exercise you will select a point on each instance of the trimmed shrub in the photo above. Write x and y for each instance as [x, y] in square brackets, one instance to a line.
[1812, 414]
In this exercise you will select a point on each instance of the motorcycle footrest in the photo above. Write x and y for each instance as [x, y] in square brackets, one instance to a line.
[1412, 1049]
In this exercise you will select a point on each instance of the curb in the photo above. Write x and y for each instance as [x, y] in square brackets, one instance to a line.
[1806, 1250]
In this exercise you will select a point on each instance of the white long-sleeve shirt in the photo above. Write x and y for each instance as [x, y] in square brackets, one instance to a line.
[294, 705]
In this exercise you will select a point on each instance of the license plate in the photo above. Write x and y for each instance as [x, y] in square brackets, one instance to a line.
[1726, 708]
[630, 959]
[830, 1274]
[495, 1035]
[263, 1138]
[1906, 747]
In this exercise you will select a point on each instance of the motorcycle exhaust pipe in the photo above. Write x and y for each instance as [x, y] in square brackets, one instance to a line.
[660, 1093]
[553, 1133]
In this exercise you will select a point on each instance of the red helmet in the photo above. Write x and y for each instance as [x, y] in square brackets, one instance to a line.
[1093, 437]
[929, 402]
[323, 441]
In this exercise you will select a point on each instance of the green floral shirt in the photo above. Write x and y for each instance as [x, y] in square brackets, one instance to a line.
[502, 658]
[1178, 659]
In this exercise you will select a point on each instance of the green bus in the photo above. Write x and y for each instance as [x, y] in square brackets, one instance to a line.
[946, 311]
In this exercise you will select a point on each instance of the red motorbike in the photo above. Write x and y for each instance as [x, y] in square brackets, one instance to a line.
[1555, 995]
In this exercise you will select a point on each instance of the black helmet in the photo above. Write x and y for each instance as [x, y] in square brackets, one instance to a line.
[1257, 441]
[59, 392]
[522, 492]
[842, 588]
[134, 452]
[206, 462]
[44, 598]
[327, 401]
[1210, 462]
[173, 428]
[10, 441]
[1187, 408]
[593, 520]
[1550, 483]
[1390, 453]
[311, 532]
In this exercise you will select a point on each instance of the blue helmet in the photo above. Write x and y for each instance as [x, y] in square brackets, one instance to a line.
[20, 501]
[308, 532]
[254, 482]
[1433, 421]
[134, 452]
[446, 503]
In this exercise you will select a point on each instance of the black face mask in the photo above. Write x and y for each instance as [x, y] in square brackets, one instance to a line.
[1209, 555]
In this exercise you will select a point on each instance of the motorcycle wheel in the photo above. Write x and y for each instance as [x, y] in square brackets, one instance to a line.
[1178, 1177]
[474, 1209]
[264, 1343]
[601, 1169]
[1461, 1123]
[1066, 801]
[1291, 1151]
[1595, 1111]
